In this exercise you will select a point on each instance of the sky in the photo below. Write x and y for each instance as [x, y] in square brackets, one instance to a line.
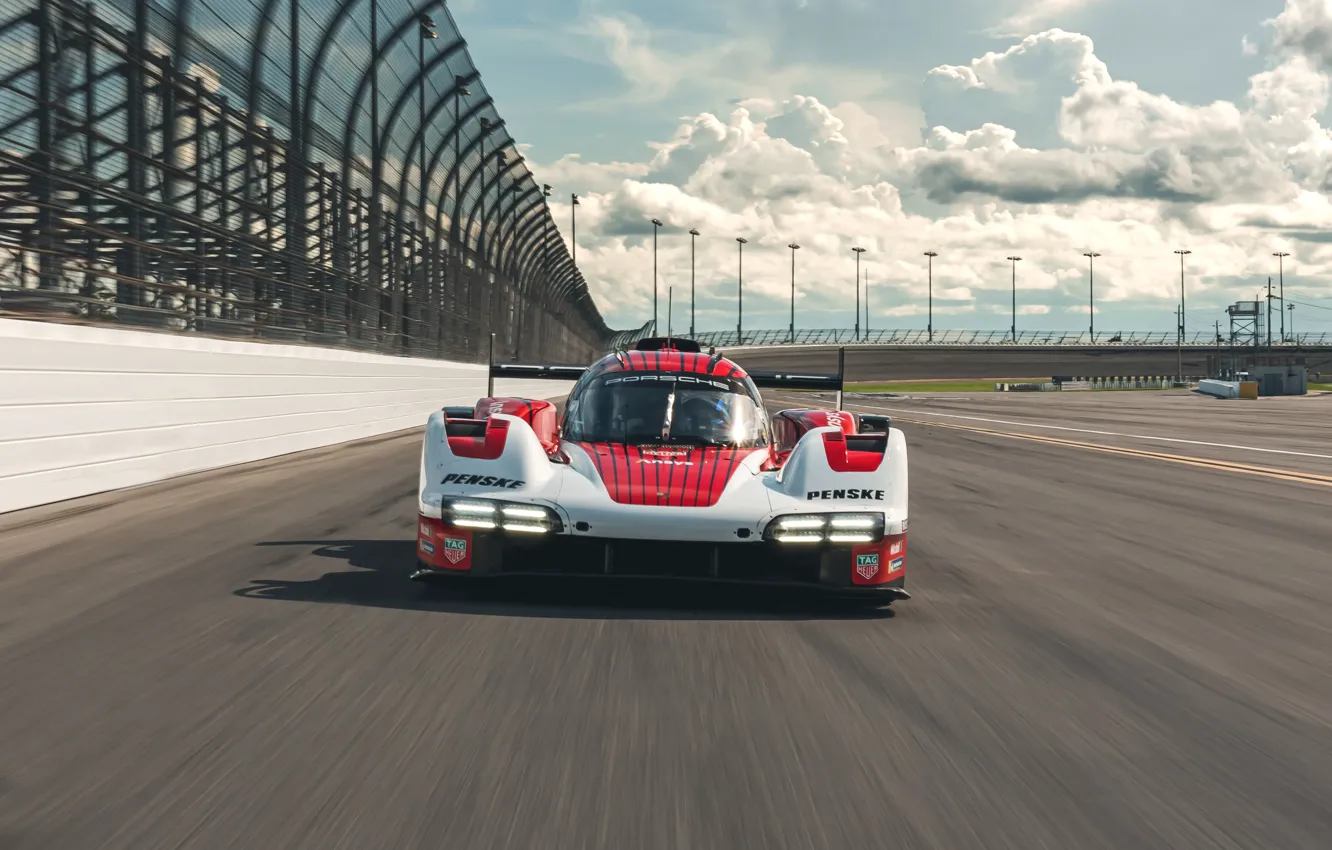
[977, 129]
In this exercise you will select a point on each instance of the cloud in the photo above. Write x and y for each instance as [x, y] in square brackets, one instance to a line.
[659, 64]
[1305, 27]
[1133, 174]
[1023, 66]
[1036, 14]
[573, 170]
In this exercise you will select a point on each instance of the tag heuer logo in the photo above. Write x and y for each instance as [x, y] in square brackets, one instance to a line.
[867, 565]
[455, 550]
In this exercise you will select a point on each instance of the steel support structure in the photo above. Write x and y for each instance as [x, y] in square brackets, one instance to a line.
[274, 192]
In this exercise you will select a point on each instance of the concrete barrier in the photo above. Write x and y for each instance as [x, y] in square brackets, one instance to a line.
[85, 410]
[1220, 389]
[1046, 387]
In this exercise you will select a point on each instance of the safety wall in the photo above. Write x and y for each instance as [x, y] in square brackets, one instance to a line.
[85, 410]
[1220, 389]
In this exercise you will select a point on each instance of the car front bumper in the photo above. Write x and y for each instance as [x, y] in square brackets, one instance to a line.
[877, 569]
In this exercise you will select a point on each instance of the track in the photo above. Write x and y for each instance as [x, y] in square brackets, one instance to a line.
[1105, 650]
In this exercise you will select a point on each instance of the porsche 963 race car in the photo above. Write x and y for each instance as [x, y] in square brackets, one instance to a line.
[666, 463]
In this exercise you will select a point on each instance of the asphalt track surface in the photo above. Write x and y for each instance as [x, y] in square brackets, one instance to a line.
[1106, 649]
[997, 363]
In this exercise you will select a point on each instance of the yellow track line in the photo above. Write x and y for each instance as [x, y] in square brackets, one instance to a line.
[1206, 463]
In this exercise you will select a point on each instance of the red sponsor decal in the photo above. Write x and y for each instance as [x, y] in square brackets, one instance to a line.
[455, 549]
[876, 563]
[443, 546]
[663, 451]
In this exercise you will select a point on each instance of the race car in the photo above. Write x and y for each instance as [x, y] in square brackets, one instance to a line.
[666, 463]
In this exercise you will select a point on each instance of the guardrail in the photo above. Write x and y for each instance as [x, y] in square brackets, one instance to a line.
[1121, 382]
[967, 338]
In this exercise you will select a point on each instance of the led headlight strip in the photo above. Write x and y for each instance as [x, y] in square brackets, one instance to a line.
[826, 528]
[490, 515]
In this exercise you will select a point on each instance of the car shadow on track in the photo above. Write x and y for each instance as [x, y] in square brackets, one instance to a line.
[379, 569]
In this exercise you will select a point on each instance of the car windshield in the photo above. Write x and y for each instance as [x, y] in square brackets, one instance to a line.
[666, 408]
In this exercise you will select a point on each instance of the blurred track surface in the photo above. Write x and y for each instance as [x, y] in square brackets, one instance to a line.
[1103, 651]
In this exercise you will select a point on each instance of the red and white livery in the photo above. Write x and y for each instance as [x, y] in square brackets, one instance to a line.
[666, 462]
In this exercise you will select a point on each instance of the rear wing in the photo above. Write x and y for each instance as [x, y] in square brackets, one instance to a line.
[529, 371]
[805, 380]
[795, 381]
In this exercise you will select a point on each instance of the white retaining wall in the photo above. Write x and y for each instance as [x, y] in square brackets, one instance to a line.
[1220, 389]
[86, 410]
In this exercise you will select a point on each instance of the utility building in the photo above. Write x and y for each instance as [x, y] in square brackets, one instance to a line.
[1278, 375]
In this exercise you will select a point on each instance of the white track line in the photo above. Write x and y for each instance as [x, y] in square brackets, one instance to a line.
[1091, 431]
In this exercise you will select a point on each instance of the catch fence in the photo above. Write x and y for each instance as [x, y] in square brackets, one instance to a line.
[914, 337]
[331, 172]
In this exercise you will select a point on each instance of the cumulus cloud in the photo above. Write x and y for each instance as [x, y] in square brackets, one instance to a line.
[657, 63]
[1035, 14]
[1305, 26]
[1134, 175]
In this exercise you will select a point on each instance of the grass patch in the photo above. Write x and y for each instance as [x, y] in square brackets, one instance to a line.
[1320, 388]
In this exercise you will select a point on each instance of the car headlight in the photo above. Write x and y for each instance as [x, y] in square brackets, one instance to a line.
[826, 528]
[491, 515]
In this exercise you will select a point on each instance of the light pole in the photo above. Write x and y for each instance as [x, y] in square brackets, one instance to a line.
[1091, 292]
[1281, 276]
[1179, 345]
[1015, 261]
[794, 247]
[1293, 337]
[1182, 254]
[693, 235]
[931, 255]
[1269, 312]
[858, 251]
[740, 294]
[573, 227]
[670, 307]
[867, 310]
[656, 225]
